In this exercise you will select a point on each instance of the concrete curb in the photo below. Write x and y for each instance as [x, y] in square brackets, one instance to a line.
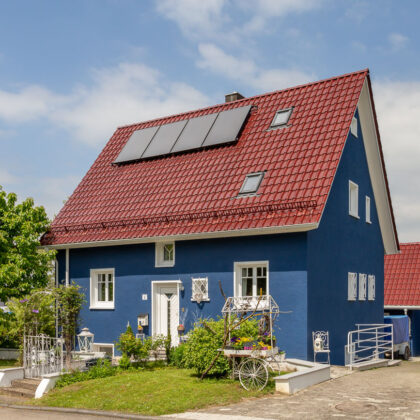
[112, 414]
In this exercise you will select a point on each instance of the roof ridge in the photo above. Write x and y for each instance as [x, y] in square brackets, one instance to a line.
[342, 76]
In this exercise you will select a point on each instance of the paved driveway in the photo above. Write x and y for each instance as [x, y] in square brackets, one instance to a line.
[386, 393]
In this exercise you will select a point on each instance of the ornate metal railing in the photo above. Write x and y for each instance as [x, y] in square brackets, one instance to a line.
[238, 304]
[42, 355]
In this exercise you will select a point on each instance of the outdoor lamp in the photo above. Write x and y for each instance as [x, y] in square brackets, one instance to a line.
[85, 340]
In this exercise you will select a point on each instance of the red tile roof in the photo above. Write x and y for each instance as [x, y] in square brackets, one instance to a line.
[402, 276]
[195, 192]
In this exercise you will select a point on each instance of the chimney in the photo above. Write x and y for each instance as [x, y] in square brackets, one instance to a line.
[234, 96]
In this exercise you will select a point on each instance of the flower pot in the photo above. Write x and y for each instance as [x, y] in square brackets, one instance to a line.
[181, 328]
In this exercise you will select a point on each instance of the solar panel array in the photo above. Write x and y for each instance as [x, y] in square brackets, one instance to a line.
[195, 133]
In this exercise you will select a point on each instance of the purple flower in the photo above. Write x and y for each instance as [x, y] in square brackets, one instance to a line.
[266, 333]
[35, 311]
[23, 300]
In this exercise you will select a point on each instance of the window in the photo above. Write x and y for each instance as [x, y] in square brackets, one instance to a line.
[352, 286]
[362, 286]
[251, 183]
[353, 127]
[165, 254]
[281, 118]
[353, 199]
[102, 289]
[368, 210]
[371, 287]
[200, 289]
[251, 279]
[106, 348]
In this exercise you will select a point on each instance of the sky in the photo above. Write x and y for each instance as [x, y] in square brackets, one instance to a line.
[72, 72]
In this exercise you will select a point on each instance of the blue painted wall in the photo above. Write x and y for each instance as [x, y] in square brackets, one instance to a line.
[135, 270]
[415, 332]
[340, 245]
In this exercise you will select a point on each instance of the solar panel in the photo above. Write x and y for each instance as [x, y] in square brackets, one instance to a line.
[136, 145]
[194, 133]
[164, 139]
[227, 126]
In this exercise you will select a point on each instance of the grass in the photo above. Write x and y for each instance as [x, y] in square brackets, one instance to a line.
[149, 392]
[4, 364]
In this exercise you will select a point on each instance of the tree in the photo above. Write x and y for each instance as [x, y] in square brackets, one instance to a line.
[69, 302]
[24, 266]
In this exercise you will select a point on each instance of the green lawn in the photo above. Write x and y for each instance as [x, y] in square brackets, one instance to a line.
[149, 392]
[8, 363]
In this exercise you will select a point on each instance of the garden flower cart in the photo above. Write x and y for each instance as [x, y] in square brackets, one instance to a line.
[251, 362]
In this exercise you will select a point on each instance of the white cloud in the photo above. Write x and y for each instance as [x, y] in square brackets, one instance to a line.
[397, 41]
[245, 71]
[121, 95]
[398, 108]
[7, 178]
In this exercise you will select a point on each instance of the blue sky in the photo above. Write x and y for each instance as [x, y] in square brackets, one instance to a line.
[71, 72]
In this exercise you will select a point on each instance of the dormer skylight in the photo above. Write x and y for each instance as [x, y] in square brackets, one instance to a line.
[281, 118]
[251, 183]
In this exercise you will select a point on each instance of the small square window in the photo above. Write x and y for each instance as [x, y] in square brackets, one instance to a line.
[353, 127]
[251, 183]
[281, 118]
[368, 210]
[164, 254]
[362, 286]
[352, 286]
[102, 289]
[353, 199]
[200, 289]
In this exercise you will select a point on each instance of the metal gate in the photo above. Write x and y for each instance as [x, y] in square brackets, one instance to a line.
[42, 355]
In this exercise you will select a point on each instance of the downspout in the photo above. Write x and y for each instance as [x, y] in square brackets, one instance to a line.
[67, 267]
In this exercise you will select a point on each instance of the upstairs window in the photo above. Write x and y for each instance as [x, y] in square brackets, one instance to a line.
[353, 127]
[362, 286]
[165, 254]
[102, 289]
[353, 199]
[251, 279]
[251, 183]
[368, 210]
[352, 286]
[371, 287]
[281, 118]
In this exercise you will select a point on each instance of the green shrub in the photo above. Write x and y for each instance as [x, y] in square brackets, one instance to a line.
[102, 369]
[124, 362]
[176, 356]
[203, 344]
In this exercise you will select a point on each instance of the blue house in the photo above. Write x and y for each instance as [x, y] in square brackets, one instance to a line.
[283, 193]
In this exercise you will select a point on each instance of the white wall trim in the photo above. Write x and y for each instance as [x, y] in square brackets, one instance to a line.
[414, 308]
[304, 227]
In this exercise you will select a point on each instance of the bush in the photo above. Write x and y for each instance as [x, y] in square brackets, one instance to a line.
[102, 369]
[124, 362]
[203, 344]
[176, 356]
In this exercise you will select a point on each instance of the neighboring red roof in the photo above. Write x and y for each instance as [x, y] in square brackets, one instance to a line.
[402, 276]
[195, 192]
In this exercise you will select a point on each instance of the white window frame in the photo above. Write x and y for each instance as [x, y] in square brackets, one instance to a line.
[94, 302]
[237, 276]
[352, 287]
[362, 286]
[354, 209]
[201, 280]
[368, 209]
[159, 254]
[353, 127]
[371, 287]
[97, 345]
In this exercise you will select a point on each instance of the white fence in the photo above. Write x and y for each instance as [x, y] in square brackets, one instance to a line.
[42, 355]
[368, 342]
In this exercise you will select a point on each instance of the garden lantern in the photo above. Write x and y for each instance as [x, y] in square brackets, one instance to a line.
[85, 340]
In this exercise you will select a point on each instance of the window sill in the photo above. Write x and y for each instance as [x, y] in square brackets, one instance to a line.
[368, 222]
[203, 300]
[354, 215]
[102, 307]
[172, 264]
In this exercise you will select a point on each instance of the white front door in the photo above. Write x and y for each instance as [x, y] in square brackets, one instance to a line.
[166, 311]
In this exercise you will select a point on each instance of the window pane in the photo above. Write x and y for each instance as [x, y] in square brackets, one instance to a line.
[251, 183]
[281, 117]
[168, 252]
[110, 288]
[101, 288]
[247, 282]
[261, 281]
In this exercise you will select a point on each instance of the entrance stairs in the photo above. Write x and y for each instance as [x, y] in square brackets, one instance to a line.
[22, 388]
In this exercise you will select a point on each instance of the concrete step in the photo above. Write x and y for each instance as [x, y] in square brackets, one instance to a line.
[18, 392]
[394, 362]
[28, 383]
[370, 364]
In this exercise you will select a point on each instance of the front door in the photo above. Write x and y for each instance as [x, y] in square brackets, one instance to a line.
[166, 311]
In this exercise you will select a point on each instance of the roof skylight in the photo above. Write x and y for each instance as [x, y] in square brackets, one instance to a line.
[281, 118]
[251, 183]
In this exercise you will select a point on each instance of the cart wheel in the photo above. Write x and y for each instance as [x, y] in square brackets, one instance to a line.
[407, 353]
[253, 374]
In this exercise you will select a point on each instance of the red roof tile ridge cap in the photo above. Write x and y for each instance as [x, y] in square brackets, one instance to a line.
[227, 104]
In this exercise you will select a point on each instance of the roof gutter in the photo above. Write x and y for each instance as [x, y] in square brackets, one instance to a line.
[191, 236]
[408, 307]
